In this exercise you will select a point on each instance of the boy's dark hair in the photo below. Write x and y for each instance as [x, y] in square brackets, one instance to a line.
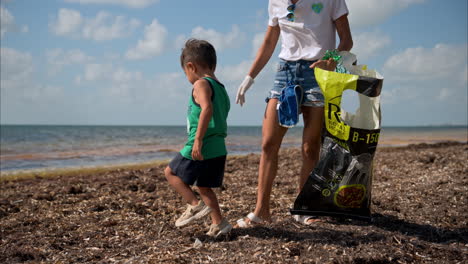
[200, 52]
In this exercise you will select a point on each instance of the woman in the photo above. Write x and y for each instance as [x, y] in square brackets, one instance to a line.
[307, 29]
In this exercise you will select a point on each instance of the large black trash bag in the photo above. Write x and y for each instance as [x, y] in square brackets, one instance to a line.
[341, 182]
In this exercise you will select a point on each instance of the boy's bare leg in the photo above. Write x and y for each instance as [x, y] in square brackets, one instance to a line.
[313, 121]
[181, 187]
[210, 199]
[272, 135]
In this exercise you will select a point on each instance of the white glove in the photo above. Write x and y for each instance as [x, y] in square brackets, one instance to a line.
[245, 85]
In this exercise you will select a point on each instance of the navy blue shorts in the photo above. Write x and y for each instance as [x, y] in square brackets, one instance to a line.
[202, 173]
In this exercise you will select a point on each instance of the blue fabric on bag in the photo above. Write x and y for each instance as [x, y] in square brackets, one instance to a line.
[289, 105]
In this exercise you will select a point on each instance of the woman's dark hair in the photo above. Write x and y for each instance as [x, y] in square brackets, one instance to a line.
[200, 52]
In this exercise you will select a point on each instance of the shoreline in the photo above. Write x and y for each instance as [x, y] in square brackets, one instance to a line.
[61, 149]
[15, 175]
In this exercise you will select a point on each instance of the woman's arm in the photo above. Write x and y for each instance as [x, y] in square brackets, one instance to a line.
[263, 56]
[346, 43]
[265, 51]
[344, 32]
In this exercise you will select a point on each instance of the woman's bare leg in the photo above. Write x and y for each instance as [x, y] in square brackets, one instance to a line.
[272, 136]
[313, 121]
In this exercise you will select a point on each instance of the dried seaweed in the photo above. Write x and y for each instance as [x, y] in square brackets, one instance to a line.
[419, 209]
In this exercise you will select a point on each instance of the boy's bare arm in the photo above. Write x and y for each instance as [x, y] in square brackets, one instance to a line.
[202, 94]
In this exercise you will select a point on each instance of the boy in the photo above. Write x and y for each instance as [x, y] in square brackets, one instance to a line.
[201, 162]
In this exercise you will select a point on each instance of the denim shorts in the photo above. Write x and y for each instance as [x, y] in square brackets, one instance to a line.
[299, 73]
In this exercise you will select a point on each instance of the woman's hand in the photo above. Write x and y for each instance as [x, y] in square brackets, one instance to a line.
[245, 85]
[328, 65]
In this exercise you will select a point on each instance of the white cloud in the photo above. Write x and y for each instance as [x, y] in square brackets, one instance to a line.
[431, 80]
[127, 3]
[123, 76]
[97, 72]
[257, 42]
[174, 84]
[368, 44]
[234, 73]
[24, 29]
[444, 93]
[57, 59]
[106, 27]
[124, 83]
[20, 93]
[115, 83]
[394, 93]
[252, 111]
[119, 85]
[173, 87]
[422, 64]
[6, 20]
[180, 41]
[107, 72]
[68, 22]
[7, 23]
[220, 41]
[43, 93]
[16, 68]
[152, 44]
[464, 76]
[372, 12]
[103, 27]
[141, 98]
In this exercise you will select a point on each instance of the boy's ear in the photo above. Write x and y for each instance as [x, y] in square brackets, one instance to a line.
[191, 67]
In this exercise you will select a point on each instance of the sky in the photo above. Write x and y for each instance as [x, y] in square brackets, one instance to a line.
[116, 62]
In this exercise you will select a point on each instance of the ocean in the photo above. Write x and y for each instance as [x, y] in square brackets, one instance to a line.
[37, 147]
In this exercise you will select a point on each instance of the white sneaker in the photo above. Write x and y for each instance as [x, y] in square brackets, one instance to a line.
[220, 229]
[193, 213]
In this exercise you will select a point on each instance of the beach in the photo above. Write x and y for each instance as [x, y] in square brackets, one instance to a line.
[127, 215]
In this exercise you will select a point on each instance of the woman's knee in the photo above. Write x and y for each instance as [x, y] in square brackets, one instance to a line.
[270, 146]
[310, 150]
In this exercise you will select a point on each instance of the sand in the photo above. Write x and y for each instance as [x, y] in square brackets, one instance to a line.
[419, 215]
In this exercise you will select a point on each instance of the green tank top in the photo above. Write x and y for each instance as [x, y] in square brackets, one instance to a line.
[213, 142]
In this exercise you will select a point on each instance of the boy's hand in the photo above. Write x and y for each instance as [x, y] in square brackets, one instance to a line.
[328, 65]
[196, 150]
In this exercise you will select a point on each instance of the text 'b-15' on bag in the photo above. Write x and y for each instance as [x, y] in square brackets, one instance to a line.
[341, 182]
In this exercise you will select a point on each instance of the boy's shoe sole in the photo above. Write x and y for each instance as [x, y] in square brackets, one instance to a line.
[224, 231]
[197, 216]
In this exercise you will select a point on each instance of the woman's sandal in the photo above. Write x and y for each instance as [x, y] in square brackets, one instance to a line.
[253, 220]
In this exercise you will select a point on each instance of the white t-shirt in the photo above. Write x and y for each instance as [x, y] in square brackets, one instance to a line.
[313, 31]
